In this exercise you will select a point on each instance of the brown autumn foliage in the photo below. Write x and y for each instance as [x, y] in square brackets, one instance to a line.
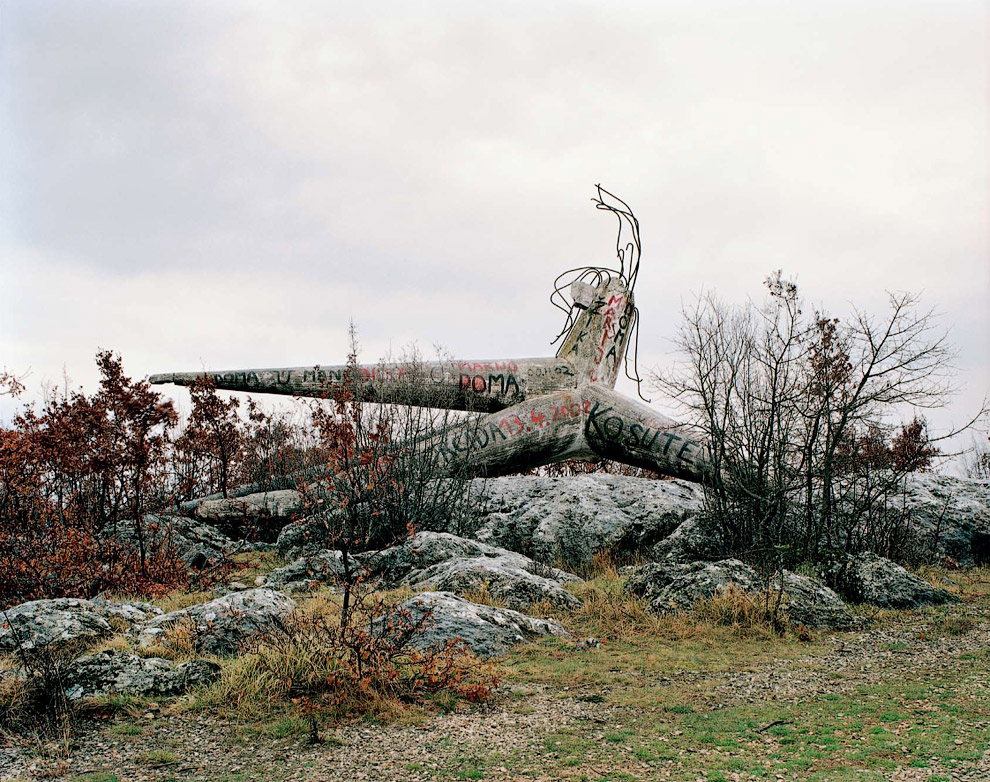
[76, 479]
[211, 448]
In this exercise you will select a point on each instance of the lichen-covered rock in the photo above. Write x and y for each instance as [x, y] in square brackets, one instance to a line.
[504, 579]
[868, 578]
[325, 567]
[690, 542]
[670, 587]
[130, 611]
[197, 544]
[308, 535]
[64, 621]
[121, 673]
[486, 631]
[280, 504]
[442, 562]
[812, 604]
[953, 511]
[224, 625]
[571, 519]
[12, 764]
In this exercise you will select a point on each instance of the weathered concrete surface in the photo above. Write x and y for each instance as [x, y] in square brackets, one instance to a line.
[477, 384]
[540, 410]
[485, 630]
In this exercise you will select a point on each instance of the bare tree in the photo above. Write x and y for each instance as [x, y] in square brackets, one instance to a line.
[799, 410]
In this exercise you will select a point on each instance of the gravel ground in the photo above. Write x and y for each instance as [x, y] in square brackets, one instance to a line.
[515, 723]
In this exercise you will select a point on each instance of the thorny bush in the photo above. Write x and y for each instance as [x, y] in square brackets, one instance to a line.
[313, 660]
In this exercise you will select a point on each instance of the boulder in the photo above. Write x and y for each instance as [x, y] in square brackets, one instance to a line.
[690, 542]
[954, 512]
[868, 578]
[65, 621]
[121, 673]
[504, 579]
[308, 535]
[197, 544]
[439, 561]
[280, 504]
[221, 626]
[308, 571]
[670, 588]
[12, 765]
[572, 519]
[484, 630]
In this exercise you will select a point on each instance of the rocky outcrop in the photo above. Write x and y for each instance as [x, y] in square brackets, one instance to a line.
[690, 542]
[954, 513]
[571, 519]
[282, 504]
[62, 622]
[867, 578]
[221, 626]
[670, 588]
[486, 631]
[121, 673]
[309, 535]
[307, 572]
[442, 562]
[197, 544]
[504, 579]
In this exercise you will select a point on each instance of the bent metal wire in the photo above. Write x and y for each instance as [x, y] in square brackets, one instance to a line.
[628, 254]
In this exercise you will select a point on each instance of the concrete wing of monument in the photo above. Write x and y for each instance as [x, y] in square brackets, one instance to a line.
[533, 411]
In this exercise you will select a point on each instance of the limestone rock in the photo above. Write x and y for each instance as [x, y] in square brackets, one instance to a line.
[223, 625]
[116, 672]
[571, 519]
[505, 579]
[867, 578]
[280, 504]
[677, 587]
[197, 544]
[324, 567]
[130, 611]
[308, 535]
[60, 622]
[439, 561]
[486, 631]
[12, 765]
[690, 542]
[956, 511]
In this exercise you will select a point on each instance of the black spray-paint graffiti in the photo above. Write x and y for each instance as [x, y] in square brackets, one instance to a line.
[604, 423]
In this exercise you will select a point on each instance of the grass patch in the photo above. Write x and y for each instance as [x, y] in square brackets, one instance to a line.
[157, 758]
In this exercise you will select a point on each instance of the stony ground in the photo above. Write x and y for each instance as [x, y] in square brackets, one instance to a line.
[907, 699]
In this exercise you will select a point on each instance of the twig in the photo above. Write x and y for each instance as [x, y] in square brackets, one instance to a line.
[771, 724]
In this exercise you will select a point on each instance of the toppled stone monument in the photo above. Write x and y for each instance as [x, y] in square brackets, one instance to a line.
[535, 410]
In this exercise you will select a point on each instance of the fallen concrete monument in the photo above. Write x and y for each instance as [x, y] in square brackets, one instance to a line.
[532, 411]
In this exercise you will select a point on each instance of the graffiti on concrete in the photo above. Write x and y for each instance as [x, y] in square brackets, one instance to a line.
[533, 411]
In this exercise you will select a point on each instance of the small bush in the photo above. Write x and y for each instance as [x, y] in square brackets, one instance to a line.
[328, 668]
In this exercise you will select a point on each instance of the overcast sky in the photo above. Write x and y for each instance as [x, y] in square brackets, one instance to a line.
[225, 184]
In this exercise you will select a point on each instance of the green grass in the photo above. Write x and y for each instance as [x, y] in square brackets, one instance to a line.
[157, 757]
